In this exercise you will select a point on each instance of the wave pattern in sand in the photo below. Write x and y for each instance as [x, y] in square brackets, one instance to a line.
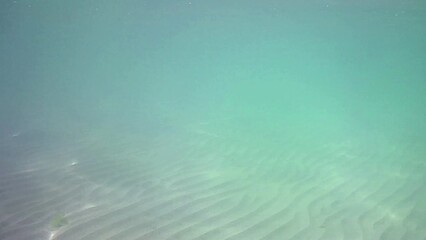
[202, 186]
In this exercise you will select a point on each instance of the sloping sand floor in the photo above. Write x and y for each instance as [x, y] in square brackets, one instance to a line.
[203, 187]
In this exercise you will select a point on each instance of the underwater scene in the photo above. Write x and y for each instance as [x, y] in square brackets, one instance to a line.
[213, 120]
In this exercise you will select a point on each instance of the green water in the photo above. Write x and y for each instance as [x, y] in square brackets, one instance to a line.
[227, 82]
[339, 67]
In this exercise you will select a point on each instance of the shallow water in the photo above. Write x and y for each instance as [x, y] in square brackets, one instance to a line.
[213, 120]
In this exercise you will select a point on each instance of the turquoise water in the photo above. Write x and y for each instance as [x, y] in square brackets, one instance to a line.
[213, 119]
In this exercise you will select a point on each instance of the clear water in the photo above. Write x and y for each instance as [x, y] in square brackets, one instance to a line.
[213, 119]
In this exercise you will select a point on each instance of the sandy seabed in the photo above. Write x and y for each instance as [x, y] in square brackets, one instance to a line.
[203, 185]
